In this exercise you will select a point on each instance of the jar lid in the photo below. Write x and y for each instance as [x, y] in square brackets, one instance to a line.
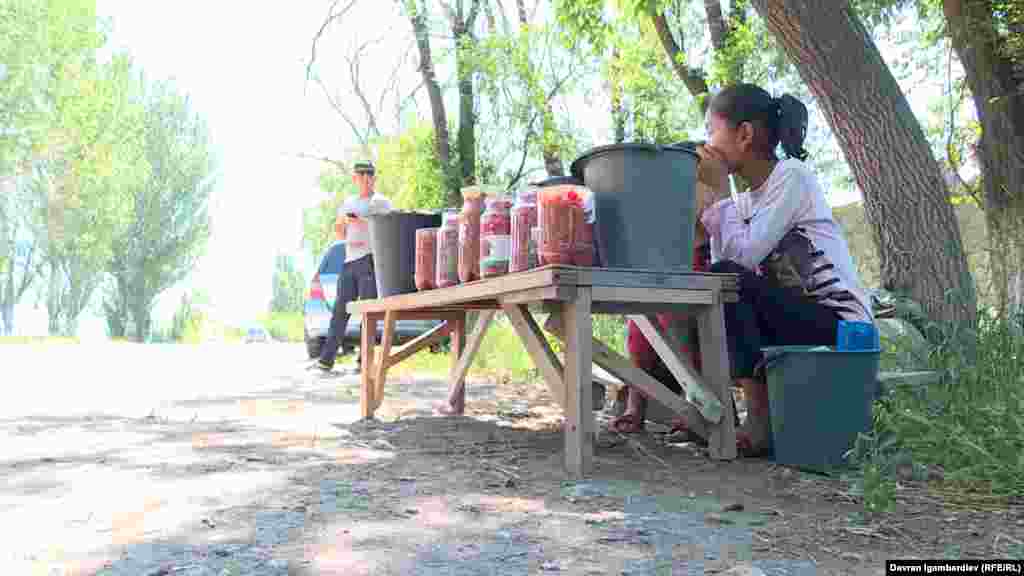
[480, 190]
[498, 202]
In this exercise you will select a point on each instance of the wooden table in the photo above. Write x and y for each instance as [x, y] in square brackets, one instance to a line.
[572, 295]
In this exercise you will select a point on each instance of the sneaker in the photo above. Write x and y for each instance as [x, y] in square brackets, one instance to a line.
[320, 366]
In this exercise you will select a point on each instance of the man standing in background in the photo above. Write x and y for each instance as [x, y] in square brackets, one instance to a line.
[356, 280]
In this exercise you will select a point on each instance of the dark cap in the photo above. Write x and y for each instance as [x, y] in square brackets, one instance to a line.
[364, 167]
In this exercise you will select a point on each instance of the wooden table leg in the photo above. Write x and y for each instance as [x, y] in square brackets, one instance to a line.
[462, 358]
[714, 360]
[544, 358]
[381, 369]
[666, 347]
[579, 422]
[368, 335]
[621, 367]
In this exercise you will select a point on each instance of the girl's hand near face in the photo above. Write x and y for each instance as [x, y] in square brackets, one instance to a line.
[713, 172]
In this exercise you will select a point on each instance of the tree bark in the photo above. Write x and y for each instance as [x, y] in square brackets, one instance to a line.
[462, 30]
[716, 23]
[439, 116]
[466, 138]
[694, 80]
[619, 111]
[906, 198]
[1000, 110]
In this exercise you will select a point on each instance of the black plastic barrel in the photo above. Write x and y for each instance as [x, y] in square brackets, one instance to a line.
[393, 242]
[645, 203]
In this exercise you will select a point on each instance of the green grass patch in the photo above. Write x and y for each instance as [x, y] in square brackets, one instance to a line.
[969, 426]
[284, 326]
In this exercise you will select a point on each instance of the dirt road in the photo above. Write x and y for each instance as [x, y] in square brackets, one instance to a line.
[230, 459]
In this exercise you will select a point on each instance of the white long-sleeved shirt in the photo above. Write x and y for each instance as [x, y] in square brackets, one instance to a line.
[786, 226]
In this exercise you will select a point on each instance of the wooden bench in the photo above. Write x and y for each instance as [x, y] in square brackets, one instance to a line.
[571, 295]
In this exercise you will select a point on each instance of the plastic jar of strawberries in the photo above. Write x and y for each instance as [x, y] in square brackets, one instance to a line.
[469, 233]
[524, 219]
[447, 268]
[495, 237]
[554, 218]
[426, 258]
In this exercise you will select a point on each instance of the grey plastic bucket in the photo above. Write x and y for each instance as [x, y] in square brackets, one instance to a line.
[645, 203]
[393, 242]
[819, 401]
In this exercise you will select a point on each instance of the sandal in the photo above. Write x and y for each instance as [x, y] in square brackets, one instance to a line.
[745, 447]
[628, 424]
[680, 432]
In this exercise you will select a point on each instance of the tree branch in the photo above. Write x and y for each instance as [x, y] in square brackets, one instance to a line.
[331, 17]
[336, 163]
[452, 16]
[694, 80]
[363, 138]
[474, 10]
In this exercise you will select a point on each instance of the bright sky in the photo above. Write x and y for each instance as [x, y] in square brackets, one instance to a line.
[244, 68]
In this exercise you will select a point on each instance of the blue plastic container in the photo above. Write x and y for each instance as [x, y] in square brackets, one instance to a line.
[819, 399]
[857, 336]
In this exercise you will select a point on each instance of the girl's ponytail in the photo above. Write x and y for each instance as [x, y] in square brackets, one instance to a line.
[792, 126]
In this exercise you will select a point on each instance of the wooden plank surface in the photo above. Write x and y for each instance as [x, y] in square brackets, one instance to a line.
[457, 394]
[368, 335]
[546, 294]
[653, 295]
[635, 278]
[490, 288]
[714, 363]
[381, 369]
[579, 411]
[485, 293]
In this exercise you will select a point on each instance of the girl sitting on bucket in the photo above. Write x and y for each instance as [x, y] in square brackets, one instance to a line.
[797, 278]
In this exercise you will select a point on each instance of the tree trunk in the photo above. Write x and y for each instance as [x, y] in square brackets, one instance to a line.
[906, 198]
[619, 112]
[1000, 109]
[141, 317]
[467, 114]
[54, 306]
[7, 300]
[716, 23]
[442, 140]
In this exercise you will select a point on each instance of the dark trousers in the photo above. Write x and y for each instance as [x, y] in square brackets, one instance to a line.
[770, 315]
[356, 282]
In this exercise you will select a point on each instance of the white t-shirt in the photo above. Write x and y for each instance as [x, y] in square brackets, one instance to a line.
[787, 225]
[357, 235]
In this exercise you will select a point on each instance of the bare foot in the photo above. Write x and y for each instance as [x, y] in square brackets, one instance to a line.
[681, 430]
[450, 409]
[628, 423]
[754, 438]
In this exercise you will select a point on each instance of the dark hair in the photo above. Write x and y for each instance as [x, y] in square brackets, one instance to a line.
[784, 118]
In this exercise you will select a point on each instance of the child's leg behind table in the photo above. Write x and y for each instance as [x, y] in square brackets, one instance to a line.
[644, 357]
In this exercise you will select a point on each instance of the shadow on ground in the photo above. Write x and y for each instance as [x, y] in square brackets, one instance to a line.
[287, 482]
